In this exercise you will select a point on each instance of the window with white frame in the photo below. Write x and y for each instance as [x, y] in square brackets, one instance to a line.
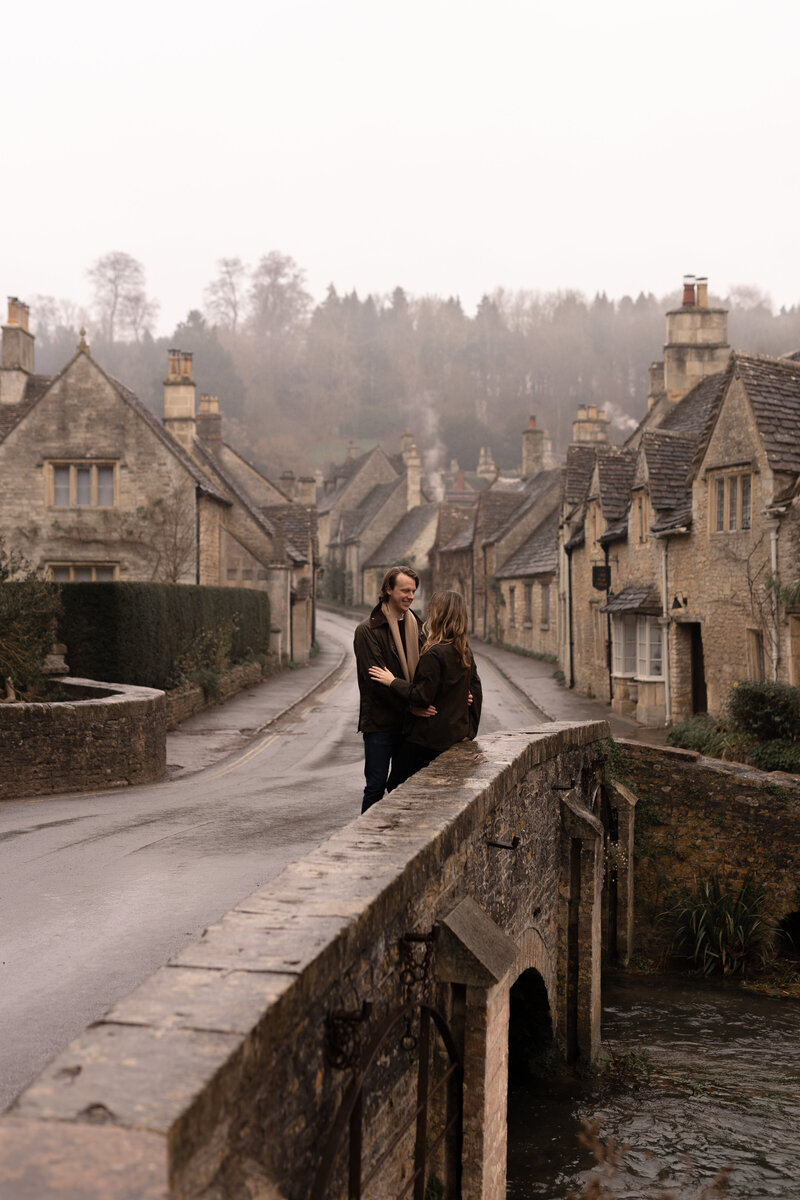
[648, 648]
[636, 646]
[83, 572]
[731, 501]
[623, 639]
[82, 484]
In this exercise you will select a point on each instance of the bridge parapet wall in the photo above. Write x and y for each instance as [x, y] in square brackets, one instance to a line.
[221, 1075]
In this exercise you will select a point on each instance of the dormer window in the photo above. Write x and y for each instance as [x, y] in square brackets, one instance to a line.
[731, 501]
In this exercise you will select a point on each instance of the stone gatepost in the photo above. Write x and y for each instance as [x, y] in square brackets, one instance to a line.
[474, 952]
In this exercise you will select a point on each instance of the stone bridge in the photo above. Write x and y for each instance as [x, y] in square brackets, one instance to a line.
[344, 1031]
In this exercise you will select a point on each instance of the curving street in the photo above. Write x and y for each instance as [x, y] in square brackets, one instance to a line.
[98, 890]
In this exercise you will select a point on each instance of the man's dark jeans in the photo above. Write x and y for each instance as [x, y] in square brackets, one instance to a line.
[378, 750]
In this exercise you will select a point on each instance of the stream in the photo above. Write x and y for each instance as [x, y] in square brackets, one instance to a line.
[706, 1077]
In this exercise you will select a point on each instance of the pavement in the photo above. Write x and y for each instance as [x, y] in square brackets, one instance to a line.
[211, 736]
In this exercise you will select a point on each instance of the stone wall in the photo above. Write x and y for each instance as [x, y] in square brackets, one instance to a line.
[192, 699]
[117, 737]
[217, 1079]
[697, 815]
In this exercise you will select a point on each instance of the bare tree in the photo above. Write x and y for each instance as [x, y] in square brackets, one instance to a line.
[120, 301]
[278, 299]
[169, 543]
[225, 295]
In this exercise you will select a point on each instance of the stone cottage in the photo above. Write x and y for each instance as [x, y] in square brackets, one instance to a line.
[678, 552]
[95, 488]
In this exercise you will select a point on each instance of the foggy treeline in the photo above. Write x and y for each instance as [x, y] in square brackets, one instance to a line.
[296, 381]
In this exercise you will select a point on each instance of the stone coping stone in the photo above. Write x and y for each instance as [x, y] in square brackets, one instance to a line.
[173, 1058]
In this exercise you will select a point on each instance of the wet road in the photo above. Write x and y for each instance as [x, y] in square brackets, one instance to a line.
[97, 891]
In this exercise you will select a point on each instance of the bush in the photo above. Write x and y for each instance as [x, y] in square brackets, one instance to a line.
[694, 733]
[155, 634]
[720, 927]
[766, 711]
[778, 755]
[29, 605]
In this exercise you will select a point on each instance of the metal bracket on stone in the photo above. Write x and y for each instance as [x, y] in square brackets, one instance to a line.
[344, 1031]
[512, 845]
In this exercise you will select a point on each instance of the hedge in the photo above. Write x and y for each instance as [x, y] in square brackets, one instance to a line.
[139, 633]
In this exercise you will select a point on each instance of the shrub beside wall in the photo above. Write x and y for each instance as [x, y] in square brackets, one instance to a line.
[140, 633]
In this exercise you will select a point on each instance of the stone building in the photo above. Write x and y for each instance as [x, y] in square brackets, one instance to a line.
[367, 505]
[95, 488]
[473, 544]
[676, 550]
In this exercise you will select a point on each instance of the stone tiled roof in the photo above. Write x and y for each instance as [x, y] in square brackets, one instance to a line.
[297, 524]
[462, 537]
[456, 522]
[533, 489]
[615, 474]
[690, 416]
[12, 414]
[669, 460]
[347, 470]
[773, 386]
[396, 547]
[537, 555]
[635, 598]
[577, 472]
[355, 520]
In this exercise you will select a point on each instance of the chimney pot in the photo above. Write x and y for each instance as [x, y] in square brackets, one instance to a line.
[532, 423]
[688, 291]
[702, 292]
[186, 364]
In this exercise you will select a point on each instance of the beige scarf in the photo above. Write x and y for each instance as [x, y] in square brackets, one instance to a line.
[409, 657]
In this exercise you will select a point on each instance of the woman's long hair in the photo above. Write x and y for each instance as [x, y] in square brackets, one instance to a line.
[447, 622]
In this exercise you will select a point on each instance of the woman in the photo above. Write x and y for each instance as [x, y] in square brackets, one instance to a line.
[445, 679]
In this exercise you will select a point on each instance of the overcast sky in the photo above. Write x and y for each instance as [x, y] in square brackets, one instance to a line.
[450, 147]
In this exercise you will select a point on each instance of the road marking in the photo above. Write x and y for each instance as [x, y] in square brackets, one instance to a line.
[248, 756]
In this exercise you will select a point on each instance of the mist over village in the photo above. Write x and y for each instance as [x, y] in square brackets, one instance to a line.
[400, 602]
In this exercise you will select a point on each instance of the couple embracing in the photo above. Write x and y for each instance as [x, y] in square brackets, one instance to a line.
[419, 689]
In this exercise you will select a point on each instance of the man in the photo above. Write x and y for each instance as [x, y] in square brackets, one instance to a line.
[390, 637]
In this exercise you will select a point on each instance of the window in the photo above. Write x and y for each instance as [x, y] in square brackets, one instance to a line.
[83, 572]
[636, 646]
[545, 623]
[648, 648]
[512, 618]
[82, 485]
[528, 603]
[731, 505]
[623, 634]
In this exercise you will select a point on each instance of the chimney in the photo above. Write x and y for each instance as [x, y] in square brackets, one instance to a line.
[287, 484]
[413, 479]
[406, 444]
[17, 352]
[306, 490]
[697, 340]
[352, 450]
[486, 467]
[532, 449]
[590, 427]
[209, 424]
[179, 413]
